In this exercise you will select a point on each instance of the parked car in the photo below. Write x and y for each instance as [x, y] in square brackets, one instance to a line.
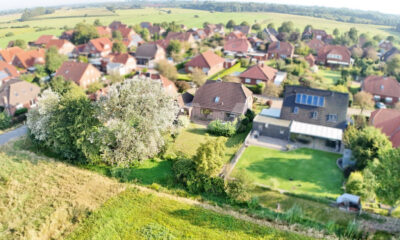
[380, 105]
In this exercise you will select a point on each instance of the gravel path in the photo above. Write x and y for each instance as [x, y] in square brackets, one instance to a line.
[11, 135]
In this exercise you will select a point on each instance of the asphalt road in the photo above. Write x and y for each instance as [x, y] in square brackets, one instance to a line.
[16, 133]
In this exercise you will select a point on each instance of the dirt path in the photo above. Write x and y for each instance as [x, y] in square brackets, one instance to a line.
[294, 228]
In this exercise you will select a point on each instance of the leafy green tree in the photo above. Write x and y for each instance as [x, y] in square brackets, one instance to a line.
[83, 33]
[145, 34]
[135, 115]
[393, 66]
[364, 100]
[54, 60]
[256, 27]
[244, 23]
[167, 69]
[271, 25]
[390, 38]
[117, 35]
[174, 46]
[336, 32]
[239, 186]
[97, 23]
[61, 86]
[230, 24]
[198, 77]
[353, 34]
[118, 47]
[209, 157]
[5, 120]
[366, 144]
[387, 177]
[20, 43]
[286, 27]
[94, 87]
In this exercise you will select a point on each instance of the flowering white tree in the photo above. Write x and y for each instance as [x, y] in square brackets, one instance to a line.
[135, 113]
[38, 118]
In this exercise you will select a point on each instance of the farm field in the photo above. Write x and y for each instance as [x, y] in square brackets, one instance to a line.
[153, 217]
[190, 139]
[44, 199]
[69, 17]
[302, 171]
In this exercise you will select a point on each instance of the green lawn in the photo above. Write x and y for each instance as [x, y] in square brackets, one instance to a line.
[137, 215]
[303, 171]
[226, 72]
[330, 77]
[70, 17]
[190, 139]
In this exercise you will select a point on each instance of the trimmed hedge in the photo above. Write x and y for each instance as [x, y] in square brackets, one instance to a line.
[220, 128]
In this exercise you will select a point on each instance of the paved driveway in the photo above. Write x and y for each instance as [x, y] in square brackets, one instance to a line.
[16, 133]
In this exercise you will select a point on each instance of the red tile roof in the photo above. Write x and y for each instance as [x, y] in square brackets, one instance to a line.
[17, 91]
[260, 72]
[44, 39]
[315, 44]
[8, 54]
[103, 31]
[235, 35]
[310, 59]
[205, 60]
[388, 120]
[126, 32]
[73, 71]
[58, 43]
[9, 69]
[382, 86]
[237, 45]
[183, 37]
[120, 58]
[336, 50]
[30, 58]
[102, 44]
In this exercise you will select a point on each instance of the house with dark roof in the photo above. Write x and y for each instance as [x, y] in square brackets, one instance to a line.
[240, 45]
[63, 46]
[390, 54]
[309, 118]
[221, 100]
[7, 72]
[388, 121]
[67, 35]
[334, 55]
[16, 94]
[281, 50]
[148, 54]
[269, 35]
[83, 74]
[243, 29]
[209, 62]
[115, 25]
[259, 73]
[384, 89]
[385, 46]
[319, 34]
[315, 45]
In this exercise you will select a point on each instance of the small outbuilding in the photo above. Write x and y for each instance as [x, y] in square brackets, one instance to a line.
[349, 202]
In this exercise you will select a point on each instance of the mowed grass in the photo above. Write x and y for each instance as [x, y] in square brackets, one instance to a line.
[138, 215]
[303, 171]
[70, 17]
[44, 199]
[190, 139]
[330, 77]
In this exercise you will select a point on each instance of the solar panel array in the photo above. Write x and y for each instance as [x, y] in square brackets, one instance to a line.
[310, 100]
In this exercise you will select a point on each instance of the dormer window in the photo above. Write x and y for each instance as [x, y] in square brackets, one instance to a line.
[216, 99]
[382, 87]
[295, 110]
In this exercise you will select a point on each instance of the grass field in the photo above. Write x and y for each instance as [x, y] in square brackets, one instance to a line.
[70, 17]
[190, 139]
[304, 171]
[330, 77]
[136, 215]
[44, 199]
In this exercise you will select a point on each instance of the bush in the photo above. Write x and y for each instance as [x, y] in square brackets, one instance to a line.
[355, 183]
[219, 128]
[20, 111]
[182, 86]
[5, 120]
